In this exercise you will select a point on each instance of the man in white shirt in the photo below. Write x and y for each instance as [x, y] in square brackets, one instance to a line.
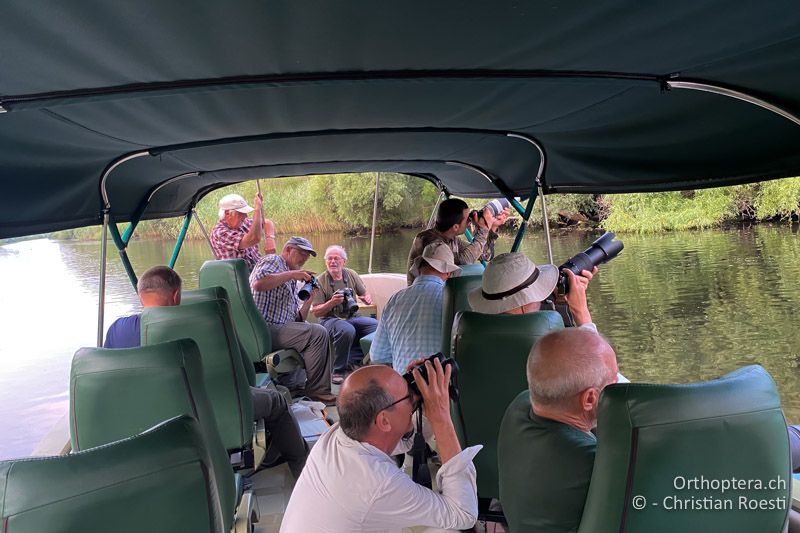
[351, 482]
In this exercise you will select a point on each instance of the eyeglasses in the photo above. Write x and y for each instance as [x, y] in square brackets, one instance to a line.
[409, 396]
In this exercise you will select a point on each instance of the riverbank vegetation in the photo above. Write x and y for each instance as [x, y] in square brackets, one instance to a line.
[343, 203]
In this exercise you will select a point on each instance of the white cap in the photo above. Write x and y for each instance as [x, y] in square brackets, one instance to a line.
[234, 202]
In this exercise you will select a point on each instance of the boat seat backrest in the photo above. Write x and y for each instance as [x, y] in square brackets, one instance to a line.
[651, 437]
[454, 299]
[492, 352]
[159, 481]
[382, 286]
[233, 276]
[219, 293]
[209, 325]
[115, 394]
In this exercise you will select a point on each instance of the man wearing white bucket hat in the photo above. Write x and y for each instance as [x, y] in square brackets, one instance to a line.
[236, 236]
[513, 284]
[411, 324]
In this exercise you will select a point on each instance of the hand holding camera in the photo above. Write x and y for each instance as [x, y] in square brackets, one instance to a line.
[310, 284]
[346, 305]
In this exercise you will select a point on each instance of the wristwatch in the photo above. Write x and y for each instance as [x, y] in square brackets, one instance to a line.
[269, 236]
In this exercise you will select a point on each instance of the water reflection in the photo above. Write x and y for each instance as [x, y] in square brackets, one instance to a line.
[677, 307]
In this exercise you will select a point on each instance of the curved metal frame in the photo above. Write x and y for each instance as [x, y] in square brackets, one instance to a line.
[669, 83]
[540, 194]
[731, 93]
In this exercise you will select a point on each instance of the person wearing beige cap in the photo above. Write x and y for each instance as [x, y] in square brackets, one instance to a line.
[513, 284]
[236, 236]
[411, 324]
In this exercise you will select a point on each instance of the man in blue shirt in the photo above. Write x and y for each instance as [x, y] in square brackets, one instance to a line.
[411, 324]
[160, 286]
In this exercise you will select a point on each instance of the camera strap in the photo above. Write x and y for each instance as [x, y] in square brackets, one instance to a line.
[420, 473]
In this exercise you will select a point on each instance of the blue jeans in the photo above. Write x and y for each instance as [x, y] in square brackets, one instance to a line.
[345, 335]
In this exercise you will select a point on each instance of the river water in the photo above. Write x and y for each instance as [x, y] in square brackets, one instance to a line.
[678, 307]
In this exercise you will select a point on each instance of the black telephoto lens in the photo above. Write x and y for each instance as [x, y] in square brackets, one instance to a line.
[601, 251]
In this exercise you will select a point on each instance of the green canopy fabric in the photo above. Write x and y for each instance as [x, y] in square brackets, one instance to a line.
[230, 91]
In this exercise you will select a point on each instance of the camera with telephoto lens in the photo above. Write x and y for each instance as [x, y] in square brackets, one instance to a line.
[495, 207]
[348, 307]
[423, 372]
[601, 251]
[305, 291]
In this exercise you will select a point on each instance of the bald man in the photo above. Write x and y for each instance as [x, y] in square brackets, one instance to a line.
[546, 434]
[352, 483]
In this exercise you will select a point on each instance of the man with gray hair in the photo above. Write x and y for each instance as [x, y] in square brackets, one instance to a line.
[546, 442]
[236, 236]
[346, 329]
[276, 294]
[351, 482]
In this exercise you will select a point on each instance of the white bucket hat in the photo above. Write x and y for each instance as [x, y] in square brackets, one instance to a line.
[510, 281]
[438, 255]
[234, 202]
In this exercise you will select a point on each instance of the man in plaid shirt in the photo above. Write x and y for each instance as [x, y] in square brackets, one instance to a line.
[274, 285]
[236, 236]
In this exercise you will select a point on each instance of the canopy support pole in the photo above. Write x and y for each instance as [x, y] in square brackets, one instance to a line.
[102, 289]
[499, 185]
[435, 211]
[181, 236]
[538, 189]
[524, 226]
[546, 225]
[374, 220]
[203, 229]
[122, 248]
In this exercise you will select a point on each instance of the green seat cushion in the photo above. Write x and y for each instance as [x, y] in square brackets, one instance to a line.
[492, 352]
[118, 393]
[234, 277]
[208, 324]
[366, 342]
[161, 480]
[454, 300]
[653, 440]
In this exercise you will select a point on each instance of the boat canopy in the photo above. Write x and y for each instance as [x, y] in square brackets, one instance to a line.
[141, 108]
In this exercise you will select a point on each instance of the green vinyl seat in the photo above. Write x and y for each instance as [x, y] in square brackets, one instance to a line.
[454, 300]
[218, 293]
[161, 481]
[492, 352]
[474, 269]
[209, 325]
[118, 393]
[653, 439]
[254, 334]
[366, 343]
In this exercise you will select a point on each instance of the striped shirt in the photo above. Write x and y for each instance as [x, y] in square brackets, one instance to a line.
[280, 304]
[411, 324]
[225, 242]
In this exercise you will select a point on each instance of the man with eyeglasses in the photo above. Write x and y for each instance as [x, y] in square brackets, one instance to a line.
[352, 483]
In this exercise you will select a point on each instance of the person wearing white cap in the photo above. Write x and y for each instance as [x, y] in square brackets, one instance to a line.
[513, 284]
[236, 236]
[411, 324]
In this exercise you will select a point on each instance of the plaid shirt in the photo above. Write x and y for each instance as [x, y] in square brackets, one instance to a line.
[225, 243]
[411, 324]
[281, 304]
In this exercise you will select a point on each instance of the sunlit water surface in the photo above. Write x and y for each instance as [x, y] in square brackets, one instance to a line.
[677, 307]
